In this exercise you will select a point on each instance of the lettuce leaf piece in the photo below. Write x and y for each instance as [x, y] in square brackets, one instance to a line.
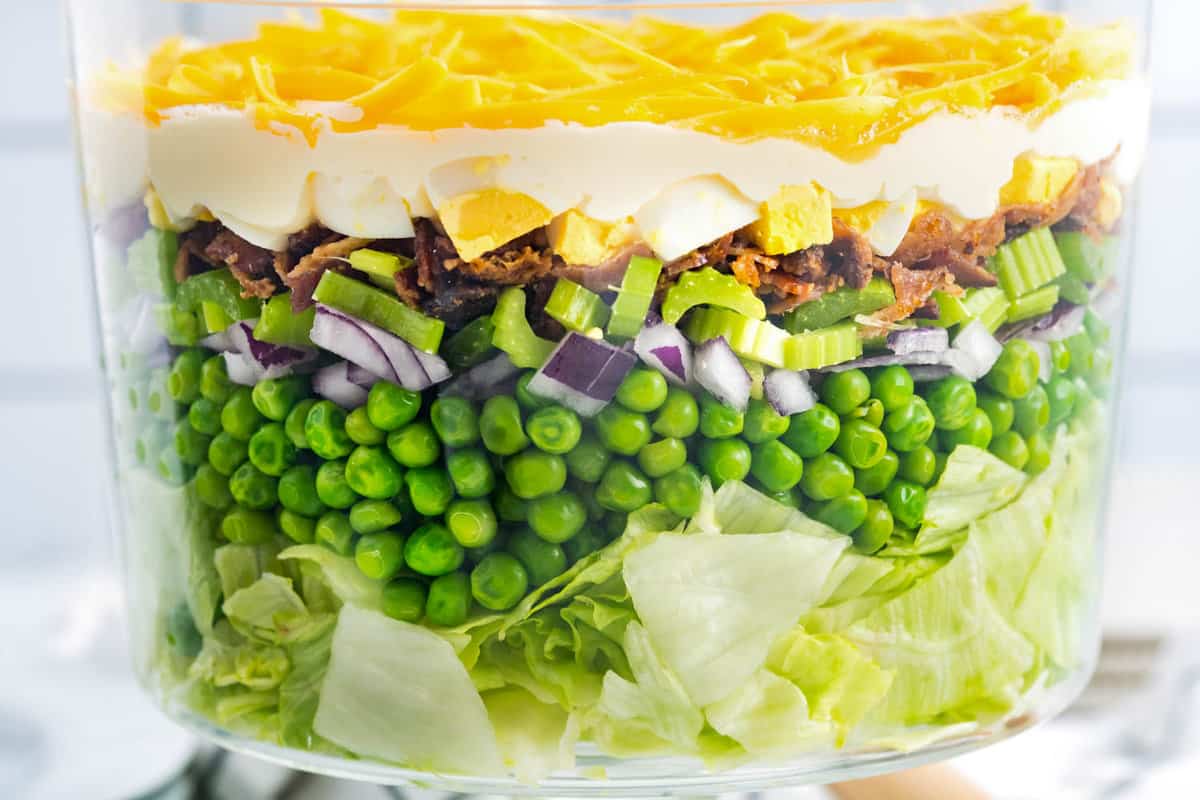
[736, 508]
[974, 483]
[342, 575]
[535, 738]
[300, 691]
[204, 593]
[769, 717]
[713, 604]
[904, 573]
[949, 647]
[649, 712]
[268, 610]
[240, 565]
[229, 659]
[854, 575]
[840, 684]
[536, 655]
[397, 692]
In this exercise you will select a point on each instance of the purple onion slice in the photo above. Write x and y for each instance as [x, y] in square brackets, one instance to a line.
[334, 383]
[663, 346]
[718, 370]
[788, 392]
[582, 374]
[918, 340]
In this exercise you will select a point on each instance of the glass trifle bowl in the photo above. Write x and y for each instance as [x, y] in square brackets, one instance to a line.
[610, 399]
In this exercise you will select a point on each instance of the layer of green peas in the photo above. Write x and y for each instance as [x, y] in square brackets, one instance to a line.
[455, 504]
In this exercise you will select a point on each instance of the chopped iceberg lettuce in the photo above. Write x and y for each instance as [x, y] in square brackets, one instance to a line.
[341, 575]
[974, 483]
[535, 738]
[769, 717]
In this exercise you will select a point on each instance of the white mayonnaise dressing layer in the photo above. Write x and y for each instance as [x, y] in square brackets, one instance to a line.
[266, 184]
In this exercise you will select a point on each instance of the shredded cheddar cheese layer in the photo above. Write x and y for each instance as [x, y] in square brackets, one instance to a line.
[848, 86]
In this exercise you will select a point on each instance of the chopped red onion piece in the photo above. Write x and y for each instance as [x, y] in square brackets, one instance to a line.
[918, 340]
[435, 368]
[220, 341]
[788, 392]
[1056, 326]
[664, 347]
[374, 349]
[361, 377]
[888, 360]
[582, 374]
[483, 380]
[975, 351]
[718, 370]
[926, 373]
[242, 370]
[334, 383]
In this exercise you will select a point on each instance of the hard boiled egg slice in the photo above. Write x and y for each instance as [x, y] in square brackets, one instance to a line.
[362, 206]
[692, 213]
[883, 224]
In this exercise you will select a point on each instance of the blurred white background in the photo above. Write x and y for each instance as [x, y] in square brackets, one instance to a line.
[51, 479]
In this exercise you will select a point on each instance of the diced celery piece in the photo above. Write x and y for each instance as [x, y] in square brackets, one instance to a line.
[1087, 259]
[575, 307]
[989, 305]
[707, 287]
[1034, 304]
[1028, 263]
[951, 311]
[379, 308]
[756, 340]
[842, 304]
[634, 296]
[1072, 289]
[280, 325]
[471, 345]
[214, 317]
[823, 348]
[379, 264]
[182, 328]
[513, 334]
[151, 259]
[220, 288]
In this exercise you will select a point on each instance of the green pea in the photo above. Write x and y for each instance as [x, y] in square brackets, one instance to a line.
[763, 423]
[1062, 395]
[271, 450]
[909, 426]
[876, 528]
[325, 430]
[557, 517]
[472, 522]
[361, 431]
[940, 467]
[813, 432]
[183, 382]
[554, 429]
[297, 527]
[499, 582]
[999, 410]
[430, 490]
[584, 543]
[1082, 355]
[893, 387]
[872, 480]
[1039, 453]
[372, 516]
[543, 560]
[1032, 412]
[226, 453]
[214, 380]
[587, 493]
[776, 466]
[170, 467]
[212, 488]
[844, 514]
[525, 398]
[679, 416]
[477, 554]
[952, 401]
[587, 460]
[471, 473]
[845, 391]
[532, 474]
[918, 465]
[643, 390]
[725, 460]
[372, 473]
[719, 421]
[205, 416]
[253, 488]
[826, 477]
[276, 397]
[455, 421]
[244, 526]
[431, 550]
[449, 600]
[239, 418]
[623, 431]
[298, 491]
[391, 407]
[332, 488]
[976, 433]
[379, 556]
[190, 444]
[871, 412]
[907, 503]
[415, 445]
[1060, 356]
[1016, 372]
[158, 399]
[861, 444]
[680, 491]
[293, 426]
[509, 507]
[500, 426]
[1010, 448]
[790, 499]
[151, 441]
[659, 458]
[404, 599]
[623, 488]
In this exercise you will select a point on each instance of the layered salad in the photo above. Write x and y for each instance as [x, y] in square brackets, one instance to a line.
[493, 388]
